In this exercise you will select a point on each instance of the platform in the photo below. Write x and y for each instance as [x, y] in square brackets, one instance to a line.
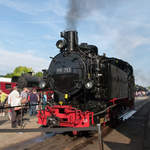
[132, 134]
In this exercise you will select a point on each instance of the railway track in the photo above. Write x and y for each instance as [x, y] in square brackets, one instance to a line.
[68, 142]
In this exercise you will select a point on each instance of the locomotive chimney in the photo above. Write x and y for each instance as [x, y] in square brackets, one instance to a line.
[71, 38]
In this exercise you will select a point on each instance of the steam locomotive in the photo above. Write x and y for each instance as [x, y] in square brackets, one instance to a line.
[88, 87]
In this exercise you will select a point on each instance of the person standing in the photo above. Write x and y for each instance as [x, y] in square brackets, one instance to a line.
[33, 100]
[44, 100]
[3, 97]
[14, 100]
[24, 95]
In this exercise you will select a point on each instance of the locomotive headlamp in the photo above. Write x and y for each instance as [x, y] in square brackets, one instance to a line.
[89, 85]
[42, 84]
[66, 96]
[60, 102]
[61, 44]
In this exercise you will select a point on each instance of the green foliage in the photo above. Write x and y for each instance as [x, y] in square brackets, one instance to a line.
[9, 75]
[18, 71]
[39, 74]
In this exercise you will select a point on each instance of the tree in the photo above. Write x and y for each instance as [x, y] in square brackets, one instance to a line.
[18, 71]
[39, 74]
[9, 75]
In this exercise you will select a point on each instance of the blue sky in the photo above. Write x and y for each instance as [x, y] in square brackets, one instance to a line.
[29, 30]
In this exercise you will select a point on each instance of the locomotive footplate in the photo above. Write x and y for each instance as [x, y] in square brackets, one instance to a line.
[64, 116]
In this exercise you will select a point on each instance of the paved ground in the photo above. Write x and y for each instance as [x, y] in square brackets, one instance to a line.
[7, 139]
[131, 135]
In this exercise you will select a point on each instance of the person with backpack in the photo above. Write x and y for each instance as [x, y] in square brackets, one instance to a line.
[33, 101]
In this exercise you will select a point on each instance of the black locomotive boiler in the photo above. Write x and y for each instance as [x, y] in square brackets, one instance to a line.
[87, 81]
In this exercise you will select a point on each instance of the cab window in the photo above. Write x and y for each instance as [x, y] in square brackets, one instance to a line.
[7, 86]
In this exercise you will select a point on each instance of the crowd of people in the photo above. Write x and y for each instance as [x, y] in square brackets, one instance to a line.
[18, 99]
[142, 93]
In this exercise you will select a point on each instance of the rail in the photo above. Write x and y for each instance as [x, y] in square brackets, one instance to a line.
[60, 130]
[55, 130]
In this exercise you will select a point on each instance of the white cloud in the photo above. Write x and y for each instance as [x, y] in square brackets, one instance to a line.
[10, 60]
[120, 35]
[126, 44]
[19, 6]
[142, 77]
[35, 8]
[49, 37]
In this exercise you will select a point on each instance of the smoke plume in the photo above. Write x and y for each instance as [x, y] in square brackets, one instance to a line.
[80, 9]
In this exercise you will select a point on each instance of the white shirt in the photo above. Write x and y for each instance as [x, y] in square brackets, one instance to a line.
[24, 94]
[14, 99]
